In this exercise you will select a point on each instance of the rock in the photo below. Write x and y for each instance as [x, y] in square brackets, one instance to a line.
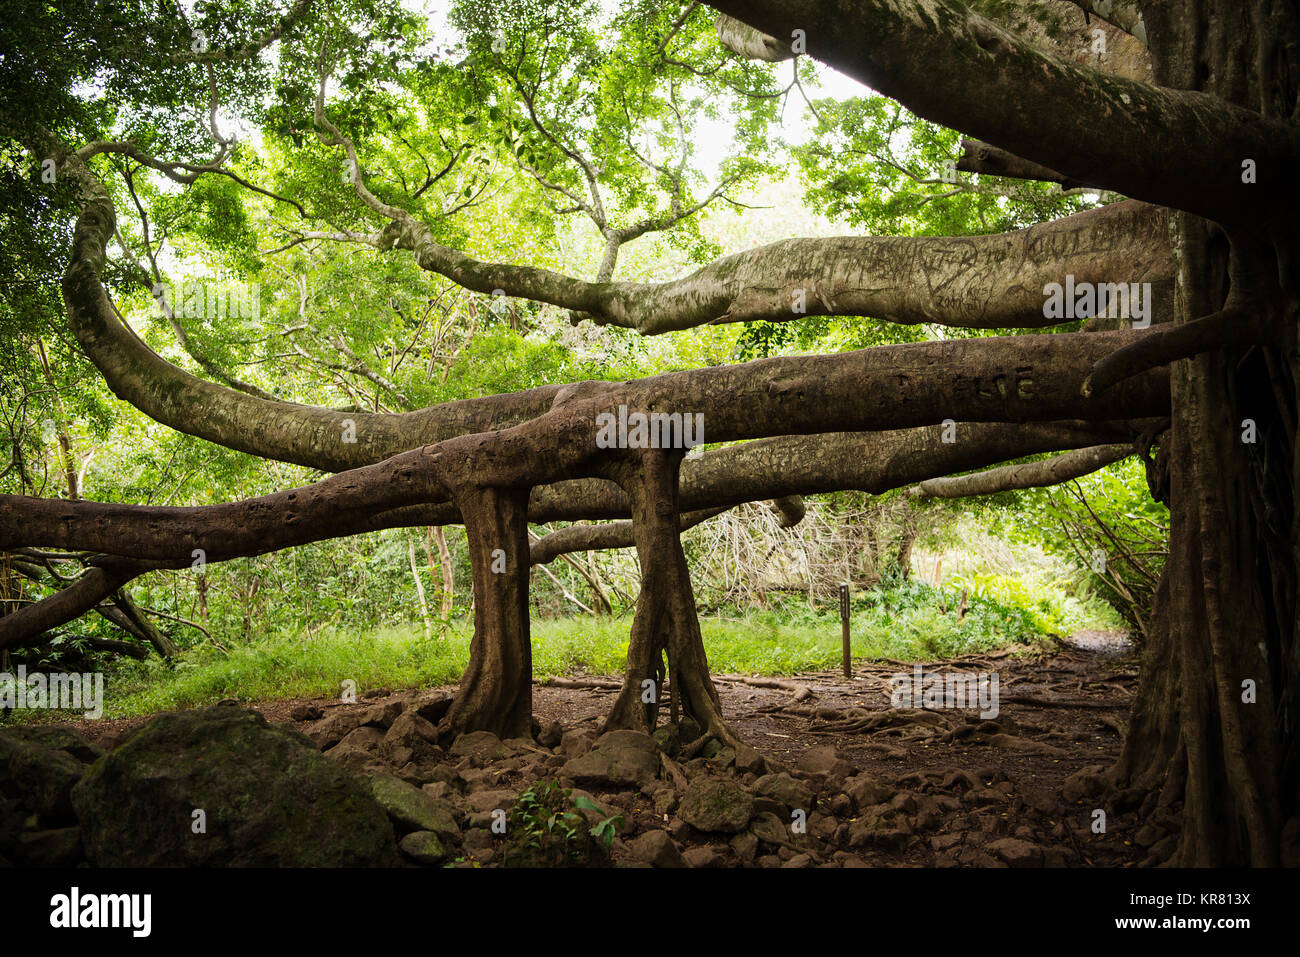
[785, 791]
[383, 715]
[57, 737]
[867, 790]
[1056, 857]
[984, 797]
[745, 846]
[799, 861]
[438, 790]
[39, 779]
[492, 800]
[1083, 784]
[307, 712]
[435, 710]
[716, 805]
[412, 809]
[618, 758]
[749, 761]
[482, 746]
[359, 751]
[657, 849]
[360, 739]
[450, 775]
[904, 801]
[1040, 801]
[1017, 853]
[479, 839]
[887, 830]
[669, 739]
[60, 847]
[769, 829]
[825, 760]
[724, 759]
[575, 743]
[841, 805]
[269, 798]
[665, 801]
[551, 735]
[409, 738]
[330, 731]
[822, 826]
[703, 857]
[423, 847]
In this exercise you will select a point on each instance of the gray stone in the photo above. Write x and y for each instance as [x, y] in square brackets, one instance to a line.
[423, 847]
[1017, 853]
[784, 791]
[703, 857]
[479, 745]
[657, 849]
[412, 809]
[716, 805]
[618, 758]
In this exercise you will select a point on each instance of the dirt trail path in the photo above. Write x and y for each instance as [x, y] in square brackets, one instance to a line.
[953, 788]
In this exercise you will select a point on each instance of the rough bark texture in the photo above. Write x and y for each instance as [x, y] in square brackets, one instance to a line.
[666, 624]
[955, 67]
[1225, 610]
[1053, 471]
[496, 691]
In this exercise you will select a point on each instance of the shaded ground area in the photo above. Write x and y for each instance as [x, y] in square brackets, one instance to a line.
[835, 777]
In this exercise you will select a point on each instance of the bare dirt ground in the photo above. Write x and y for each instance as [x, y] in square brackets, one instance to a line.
[902, 786]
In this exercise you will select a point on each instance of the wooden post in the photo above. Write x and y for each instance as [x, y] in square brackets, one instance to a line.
[844, 623]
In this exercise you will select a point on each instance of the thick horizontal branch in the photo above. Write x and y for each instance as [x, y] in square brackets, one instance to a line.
[582, 538]
[952, 66]
[1216, 331]
[722, 478]
[742, 39]
[909, 279]
[65, 605]
[305, 435]
[979, 282]
[978, 157]
[1053, 471]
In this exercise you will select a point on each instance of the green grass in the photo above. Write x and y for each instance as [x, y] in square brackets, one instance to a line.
[910, 622]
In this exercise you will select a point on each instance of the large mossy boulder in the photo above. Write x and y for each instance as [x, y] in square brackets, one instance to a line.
[38, 777]
[268, 799]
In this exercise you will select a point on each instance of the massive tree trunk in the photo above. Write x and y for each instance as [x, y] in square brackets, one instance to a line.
[666, 623]
[1215, 724]
[496, 691]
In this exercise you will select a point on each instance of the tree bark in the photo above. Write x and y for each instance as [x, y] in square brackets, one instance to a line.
[666, 623]
[496, 692]
[1225, 611]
